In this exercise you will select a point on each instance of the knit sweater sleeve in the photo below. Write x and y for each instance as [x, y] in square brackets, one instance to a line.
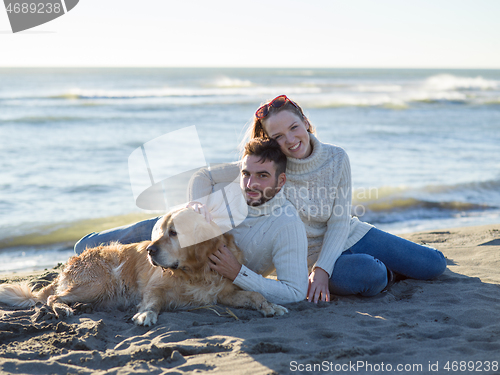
[290, 260]
[203, 181]
[338, 224]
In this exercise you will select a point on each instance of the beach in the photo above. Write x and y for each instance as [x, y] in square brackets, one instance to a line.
[119, 114]
[443, 326]
[424, 155]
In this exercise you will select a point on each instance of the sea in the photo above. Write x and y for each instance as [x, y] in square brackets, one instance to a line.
[424, 145]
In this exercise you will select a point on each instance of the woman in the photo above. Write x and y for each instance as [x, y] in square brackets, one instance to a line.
[345, 255]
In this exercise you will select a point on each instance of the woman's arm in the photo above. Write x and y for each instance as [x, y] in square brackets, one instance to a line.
[338, 225]
[336, 235]
[202, 182]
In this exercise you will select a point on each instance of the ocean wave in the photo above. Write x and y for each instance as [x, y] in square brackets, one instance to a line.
[67, 232]
[492, 101]
[437, 89]
[479, 192]
[379, 88]
[311, 92]
[227, 82]
[402, 203]
[339, 101]
[88, 189]
[406, 203]
[250, 91]
[449, 82]
[396, 100]
[42, 119]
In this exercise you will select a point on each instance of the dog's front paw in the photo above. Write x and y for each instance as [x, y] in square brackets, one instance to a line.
[272, 309]
[62, 310]
[279, 310]
[145, 318]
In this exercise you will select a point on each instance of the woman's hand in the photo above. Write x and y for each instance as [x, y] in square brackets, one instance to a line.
[224, 262]
[201, 209]
[318, 286]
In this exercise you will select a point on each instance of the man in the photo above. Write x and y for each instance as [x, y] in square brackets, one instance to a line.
[272, 236]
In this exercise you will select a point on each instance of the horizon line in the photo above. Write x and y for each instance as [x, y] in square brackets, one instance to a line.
[235, 67]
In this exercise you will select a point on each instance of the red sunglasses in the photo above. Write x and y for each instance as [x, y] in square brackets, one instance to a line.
[277, 102]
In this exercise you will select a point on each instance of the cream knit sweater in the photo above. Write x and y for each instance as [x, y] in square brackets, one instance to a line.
[272, 237]
[319, 187]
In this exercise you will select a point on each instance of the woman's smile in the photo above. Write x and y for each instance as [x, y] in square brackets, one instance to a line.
[295, 147]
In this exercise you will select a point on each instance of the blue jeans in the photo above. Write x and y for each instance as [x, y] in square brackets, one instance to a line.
[126, 234]
[362, 269]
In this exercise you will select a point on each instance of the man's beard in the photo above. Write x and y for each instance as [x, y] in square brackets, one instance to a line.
[264, 196]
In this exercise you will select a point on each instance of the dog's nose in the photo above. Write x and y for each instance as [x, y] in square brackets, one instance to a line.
[152, 250]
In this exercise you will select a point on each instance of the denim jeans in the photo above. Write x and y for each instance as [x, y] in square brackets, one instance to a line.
[126, 234]
[362, 269]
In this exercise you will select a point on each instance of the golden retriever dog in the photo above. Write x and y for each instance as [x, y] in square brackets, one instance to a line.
[153, 275]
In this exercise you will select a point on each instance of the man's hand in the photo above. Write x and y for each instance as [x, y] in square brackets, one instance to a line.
[224, 262]
[201, 209]
[318, 286]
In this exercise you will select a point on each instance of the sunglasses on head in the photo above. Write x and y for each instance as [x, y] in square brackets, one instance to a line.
[277, 102]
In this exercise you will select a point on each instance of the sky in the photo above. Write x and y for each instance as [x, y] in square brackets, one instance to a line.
[256, 33]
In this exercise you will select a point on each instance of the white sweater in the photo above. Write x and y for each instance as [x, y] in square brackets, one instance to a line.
[272, 237]
[320, 188]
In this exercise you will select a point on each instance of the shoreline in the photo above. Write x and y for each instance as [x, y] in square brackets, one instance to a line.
[420, 323]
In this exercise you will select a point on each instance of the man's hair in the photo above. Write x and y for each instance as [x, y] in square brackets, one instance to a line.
[267, 149]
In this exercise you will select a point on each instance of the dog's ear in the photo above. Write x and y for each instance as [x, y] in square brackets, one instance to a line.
[160, 226]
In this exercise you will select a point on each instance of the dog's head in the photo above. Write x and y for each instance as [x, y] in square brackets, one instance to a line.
[182, 240]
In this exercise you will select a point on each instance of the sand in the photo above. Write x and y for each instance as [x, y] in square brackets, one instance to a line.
[448, 325]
